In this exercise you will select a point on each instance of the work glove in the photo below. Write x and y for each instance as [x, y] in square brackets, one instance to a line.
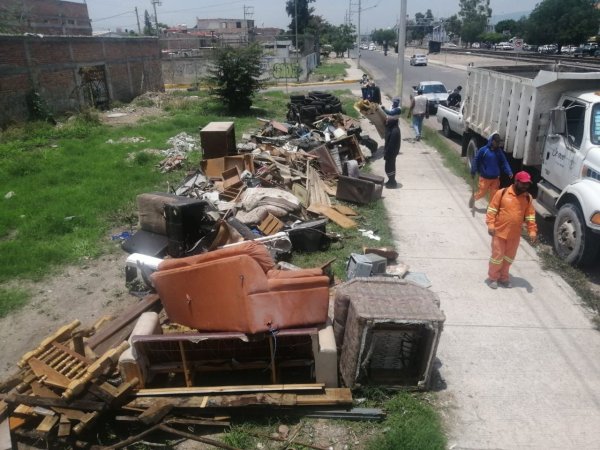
[491, 231]
[532, 239]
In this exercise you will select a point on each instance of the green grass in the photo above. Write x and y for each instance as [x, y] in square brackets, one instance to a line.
[371, 217]
[68, 182]
[411, 424]
[330, 70]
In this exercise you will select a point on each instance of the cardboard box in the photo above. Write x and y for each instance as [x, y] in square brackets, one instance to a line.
[214, 168]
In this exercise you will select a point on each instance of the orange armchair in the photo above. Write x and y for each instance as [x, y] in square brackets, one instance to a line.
[237, 289]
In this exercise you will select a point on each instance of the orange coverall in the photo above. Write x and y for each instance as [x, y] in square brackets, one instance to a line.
[505, 216]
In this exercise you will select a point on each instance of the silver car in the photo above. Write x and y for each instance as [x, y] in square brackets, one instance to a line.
[418, 60]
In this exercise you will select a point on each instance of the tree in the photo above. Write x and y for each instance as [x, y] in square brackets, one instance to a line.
[380, 36]
[421, 27]
[562, 22]
[342, 38]
[453, 25]
[148, 27]
[507, 27]
[304, 16]
[474, 15]
[235, 74]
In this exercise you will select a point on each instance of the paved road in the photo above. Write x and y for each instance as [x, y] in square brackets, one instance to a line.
[519, 368]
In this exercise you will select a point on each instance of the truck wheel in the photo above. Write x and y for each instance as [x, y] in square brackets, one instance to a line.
[446, 128]
[472, 151]
[573, 242]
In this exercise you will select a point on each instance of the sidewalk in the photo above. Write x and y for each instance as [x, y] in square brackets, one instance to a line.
[519, 368]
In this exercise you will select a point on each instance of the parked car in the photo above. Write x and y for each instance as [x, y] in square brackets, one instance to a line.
[371, 46]
[504, 46]
[450, 45]
[475, 45]
[418, 60]
[585, 50]
[436, 94]
[451, 119]
[550, 49]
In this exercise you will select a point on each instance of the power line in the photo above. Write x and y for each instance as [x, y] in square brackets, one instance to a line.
[112, 17]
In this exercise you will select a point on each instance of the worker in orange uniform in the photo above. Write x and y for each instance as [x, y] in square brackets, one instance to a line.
[507, 211]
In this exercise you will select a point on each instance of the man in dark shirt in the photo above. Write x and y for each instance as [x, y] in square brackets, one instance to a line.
[454, 98]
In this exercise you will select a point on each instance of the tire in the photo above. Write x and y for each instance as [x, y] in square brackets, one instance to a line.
[446, 131]
[472, 151]
[573, 241]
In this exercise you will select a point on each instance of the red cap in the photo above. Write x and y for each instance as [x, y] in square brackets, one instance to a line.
[523, 177]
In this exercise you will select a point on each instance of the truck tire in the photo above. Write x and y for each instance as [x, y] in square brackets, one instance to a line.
[472, 151]
[446, 131]
[573, 241]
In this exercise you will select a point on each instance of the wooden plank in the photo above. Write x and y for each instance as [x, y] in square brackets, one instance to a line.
[220, 401]
[345, 210]
[32, 400]
[156, 412]
[130, 315]
[64, 426]
[47, 424]
[333, 215]
[50, 376]
[230, 389]
[332, 396]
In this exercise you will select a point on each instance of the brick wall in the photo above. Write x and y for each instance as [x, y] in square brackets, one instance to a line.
[53, 66]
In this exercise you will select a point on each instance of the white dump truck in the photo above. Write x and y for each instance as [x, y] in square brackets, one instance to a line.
[549, 118]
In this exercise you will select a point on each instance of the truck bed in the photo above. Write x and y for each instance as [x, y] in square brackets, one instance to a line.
[516, 101]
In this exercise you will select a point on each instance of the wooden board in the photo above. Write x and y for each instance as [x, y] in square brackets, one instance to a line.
[129, 316]
[345, 210]
[332, 396]
[229, 389]
[333, 215]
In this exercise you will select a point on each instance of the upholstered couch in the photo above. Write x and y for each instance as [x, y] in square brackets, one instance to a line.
[237, 289]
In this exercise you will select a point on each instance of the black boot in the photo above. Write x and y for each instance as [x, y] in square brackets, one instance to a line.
[391, 183]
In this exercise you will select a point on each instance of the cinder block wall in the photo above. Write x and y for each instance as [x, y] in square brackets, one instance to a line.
[51, 66]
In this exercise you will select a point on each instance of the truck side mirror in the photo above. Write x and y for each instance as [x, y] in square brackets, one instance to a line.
[558, 120]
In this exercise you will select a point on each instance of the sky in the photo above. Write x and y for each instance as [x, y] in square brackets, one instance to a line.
[110, 14]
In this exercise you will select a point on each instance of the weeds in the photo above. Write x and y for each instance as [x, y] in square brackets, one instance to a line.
[411, 423]
[11, 299]
[330, 71]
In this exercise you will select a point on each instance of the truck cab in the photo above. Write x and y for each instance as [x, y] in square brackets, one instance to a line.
[569, 188]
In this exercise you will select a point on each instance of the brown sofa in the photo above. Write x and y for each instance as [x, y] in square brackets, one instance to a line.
[237, 289]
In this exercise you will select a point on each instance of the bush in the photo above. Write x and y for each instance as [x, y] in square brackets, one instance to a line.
[235, 76]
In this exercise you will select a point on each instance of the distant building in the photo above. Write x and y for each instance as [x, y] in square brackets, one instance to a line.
[227, 31]
[47, 17]
[266, 34]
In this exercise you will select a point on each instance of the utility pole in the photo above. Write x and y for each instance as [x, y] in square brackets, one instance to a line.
[248, 14]
[401, 43]
[296, 46]
[358, 37]
[138, 21]
[154, 3]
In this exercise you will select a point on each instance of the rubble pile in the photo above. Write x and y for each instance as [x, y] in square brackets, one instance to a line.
[226, 323]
